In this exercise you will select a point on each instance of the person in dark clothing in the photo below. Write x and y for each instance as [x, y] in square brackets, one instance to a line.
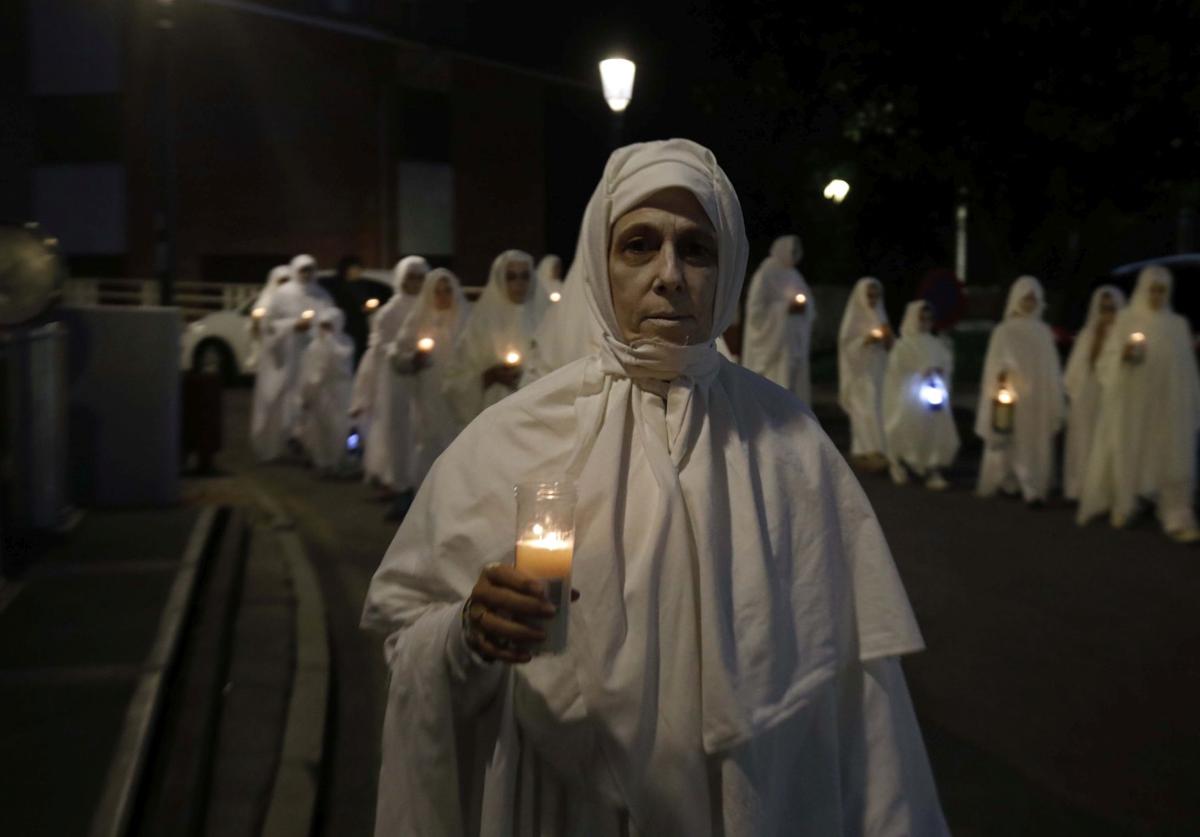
[351, 295]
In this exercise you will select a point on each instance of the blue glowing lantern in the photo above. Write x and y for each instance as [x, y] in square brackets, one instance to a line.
[933, 392]
[353, 441]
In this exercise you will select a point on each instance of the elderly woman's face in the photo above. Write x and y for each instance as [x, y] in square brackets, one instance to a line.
[662, 268]
[874, 294]
[516, 281]
[443, 295]
[1108, 307]
[925, 323]
[414, 278]
[1158, 296]
[1029, 303]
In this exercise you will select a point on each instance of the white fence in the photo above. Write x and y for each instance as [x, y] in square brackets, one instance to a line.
[195, 299]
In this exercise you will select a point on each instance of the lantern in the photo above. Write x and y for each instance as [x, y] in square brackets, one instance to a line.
[1135, 349]
[933, 393]
[1003, 408]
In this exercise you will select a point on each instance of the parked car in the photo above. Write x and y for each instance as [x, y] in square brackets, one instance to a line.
[220, 342]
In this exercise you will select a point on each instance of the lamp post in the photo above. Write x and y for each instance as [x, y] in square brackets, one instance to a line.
[836, 190]
[616, 76]
[960, 236]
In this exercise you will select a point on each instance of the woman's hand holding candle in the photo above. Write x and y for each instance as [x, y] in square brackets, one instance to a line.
[799, 304]
[499, 613]
[502, 373]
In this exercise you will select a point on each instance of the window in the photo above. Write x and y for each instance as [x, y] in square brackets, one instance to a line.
[425, 197]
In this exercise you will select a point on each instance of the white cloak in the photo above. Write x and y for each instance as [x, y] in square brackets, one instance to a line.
[861, 367]
[382, 398]
[327, 373]
[1022, 349]
[1082, 385]
[1145, 444]
[918, 436]
[775, 341]
[699, 694]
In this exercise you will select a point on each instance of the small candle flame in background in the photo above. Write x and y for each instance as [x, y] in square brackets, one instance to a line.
[308, 314]
[425, 344]
[555, 296]
[1005, 395]
[1137, 337]
[801, 299]
[512, 358]
[372, 304]
[258, 313]
[877, 333]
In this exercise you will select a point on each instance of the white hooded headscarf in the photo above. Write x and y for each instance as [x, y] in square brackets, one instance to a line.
[497, 326]
[731, 573]
[917, 436]
[775, 342]
[1145, 443]
[1082, 384]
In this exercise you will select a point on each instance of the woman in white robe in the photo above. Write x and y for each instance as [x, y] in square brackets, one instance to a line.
[864, 339]
[1145, 443]
[285, 332]
[267, 377]
[550, 277]
[438, 315]
[382, 400]
[725, 679]
[327, 374]
[917, 416]
[1021, 356]
[1082, 384]
[496, 341]
[778, 332]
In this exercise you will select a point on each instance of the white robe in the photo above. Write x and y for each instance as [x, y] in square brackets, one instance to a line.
[1022, 348]
[435, 425]
[1145, 443]
[268, 377]
[326, 377]
[1082, 386]
[495, 327]
[279, 417]
[775, 341]
[861, 367]
[568, 331]
[699, 695]
[383, 398]
[918, 436]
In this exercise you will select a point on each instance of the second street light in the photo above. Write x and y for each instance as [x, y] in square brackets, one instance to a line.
[616, 76]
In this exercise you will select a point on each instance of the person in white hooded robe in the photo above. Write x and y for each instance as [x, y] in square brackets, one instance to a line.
[286, 329]
[1145, 442]
[780, 314]
[1082, 385]
[267, 376]
[326, 376]
[550, 277]
[496, 341]
[1021, 357]
[917, 417]
[382, 399]
[422, 350]
[732, 660]
[864, 339]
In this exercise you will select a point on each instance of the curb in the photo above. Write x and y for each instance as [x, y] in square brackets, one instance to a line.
[115, 808]
[292, 806]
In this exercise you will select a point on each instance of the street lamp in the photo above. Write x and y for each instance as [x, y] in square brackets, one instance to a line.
[616, 75]
[836, 190]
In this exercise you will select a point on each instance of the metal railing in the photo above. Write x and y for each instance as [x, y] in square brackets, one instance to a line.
[195, 299]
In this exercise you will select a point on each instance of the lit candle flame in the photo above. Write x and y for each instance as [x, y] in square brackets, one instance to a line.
[1006, 395]
[308, 314]
[555, 296]
[372, 304]
[877, 333]
[801, 299]
[512, 358]
[1137, 337]
[425, 344]
[258, 313]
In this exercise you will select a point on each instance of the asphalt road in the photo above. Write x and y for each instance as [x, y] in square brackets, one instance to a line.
[1059, 695]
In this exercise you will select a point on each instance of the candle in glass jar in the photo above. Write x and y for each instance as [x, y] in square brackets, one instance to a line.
[372, 304]
[512, 359]
[547, 557]
[308, 314]
[258, 313]
[1137, 347]
[425, 344]
[801, 299]
[555, 296]
[877, 333]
